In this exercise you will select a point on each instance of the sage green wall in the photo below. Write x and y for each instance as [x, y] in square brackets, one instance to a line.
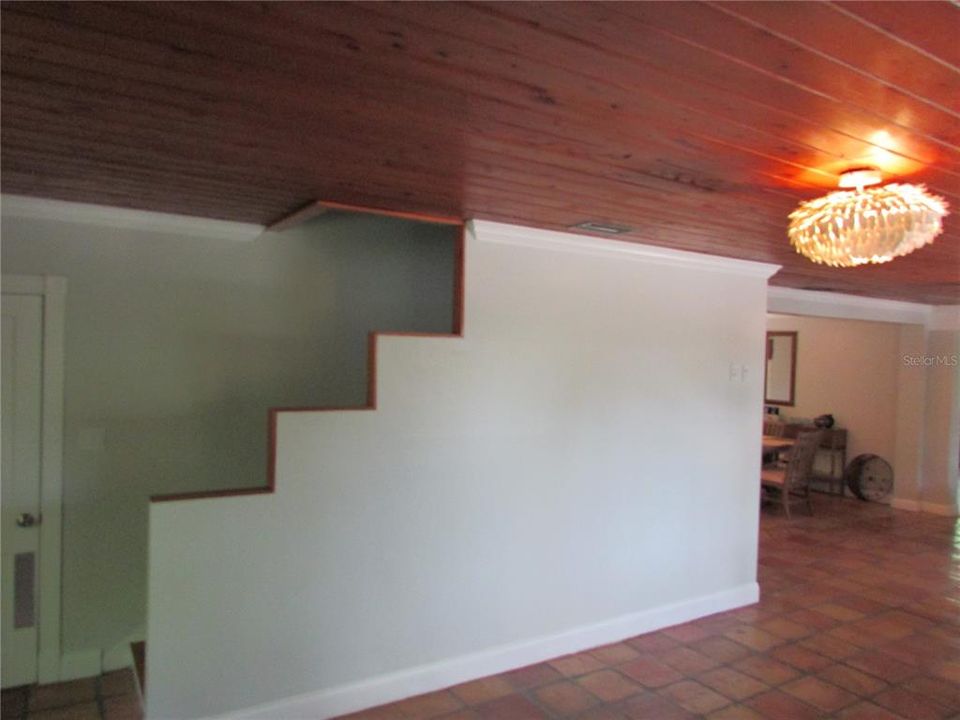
[175, 348]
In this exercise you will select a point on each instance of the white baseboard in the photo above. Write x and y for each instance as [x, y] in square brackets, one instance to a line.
[923, 506]
[48, 667]
[904, 504]
[426, 678]
[939, 509]
[117, 658]
[77, 664]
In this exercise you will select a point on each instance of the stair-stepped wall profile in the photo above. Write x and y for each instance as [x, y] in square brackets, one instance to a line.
[455, 230]
[181, 334]
[579, 467]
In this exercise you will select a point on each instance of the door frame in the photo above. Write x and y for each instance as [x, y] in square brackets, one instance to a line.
[52, 291]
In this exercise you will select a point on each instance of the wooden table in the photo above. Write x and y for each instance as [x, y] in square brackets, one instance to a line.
[773, 444]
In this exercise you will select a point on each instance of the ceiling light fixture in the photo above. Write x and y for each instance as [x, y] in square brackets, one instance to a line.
[867, 224]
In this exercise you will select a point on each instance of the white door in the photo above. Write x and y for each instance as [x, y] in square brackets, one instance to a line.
[20, 503]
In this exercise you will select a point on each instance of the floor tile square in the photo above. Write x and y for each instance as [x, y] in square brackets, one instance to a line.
[652, 642]
[800, 657]
[754, 638]
[785, 629]
[735, 712]
[511, 707]
[882, 666]
[911, 705]
[687, 633]
[849, 634]
[852, 680]
[81, 711]
[604, 712]
[776, 705]
[118, 682]
[483, 690]
[122, 707]
[573, 665]
[765, 669]
[720, 623]
[532, 676]
[614, 654]
[837, 612]
[609, 685]
[73, 692]
[721, 649]
[948, 671]
[565, 697]
[648, 706]
[820, 694]
[694, 697]
[811, 619]
[865, 710]
[687, 661]
[831, 647]
[944, 692]
[731, 683]
[650, 672]
[14, 701]
[427, 706]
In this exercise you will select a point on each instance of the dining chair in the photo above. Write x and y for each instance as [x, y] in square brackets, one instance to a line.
[773, 428]
[791, 482]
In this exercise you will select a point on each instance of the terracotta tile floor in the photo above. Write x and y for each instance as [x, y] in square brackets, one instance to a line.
[112, 696]
[859, 619]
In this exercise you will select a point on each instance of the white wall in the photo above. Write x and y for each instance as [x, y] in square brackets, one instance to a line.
[176, 345]
[848, 368]
[581, 466]
[911, 416]
[942, 440]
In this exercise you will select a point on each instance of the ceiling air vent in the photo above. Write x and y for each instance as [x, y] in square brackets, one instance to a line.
[825, 288]
[601, 227]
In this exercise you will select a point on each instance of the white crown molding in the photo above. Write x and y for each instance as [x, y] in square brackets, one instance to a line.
[792, 301]
[20, 206]
[493, 232]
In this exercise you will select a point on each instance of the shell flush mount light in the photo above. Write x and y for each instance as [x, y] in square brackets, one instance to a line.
[866, 224]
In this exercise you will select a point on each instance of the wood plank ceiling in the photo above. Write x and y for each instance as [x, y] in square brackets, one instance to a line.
[700, 125]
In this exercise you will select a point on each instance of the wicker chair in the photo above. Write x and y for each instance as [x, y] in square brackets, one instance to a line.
[791, 483]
